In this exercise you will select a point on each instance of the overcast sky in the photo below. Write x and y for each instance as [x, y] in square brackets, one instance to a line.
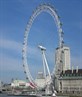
[14, 16]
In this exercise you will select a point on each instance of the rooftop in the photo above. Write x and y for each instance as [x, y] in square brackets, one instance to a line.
[71, 74]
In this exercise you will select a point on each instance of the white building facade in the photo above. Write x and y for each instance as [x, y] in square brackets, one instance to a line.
[19, 83]
[66, 58]
[62, 62]
[71, 82]
[40, 80]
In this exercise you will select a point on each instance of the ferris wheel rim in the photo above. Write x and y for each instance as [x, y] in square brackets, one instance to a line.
[51, 10]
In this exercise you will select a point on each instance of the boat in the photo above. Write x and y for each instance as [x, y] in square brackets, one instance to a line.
[54, 95]
[32, 95]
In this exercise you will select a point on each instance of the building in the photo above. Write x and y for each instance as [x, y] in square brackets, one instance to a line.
[1, 85]
[66, 58]
[70, 81]
[62, 61]
[40, 80]
[19, 84]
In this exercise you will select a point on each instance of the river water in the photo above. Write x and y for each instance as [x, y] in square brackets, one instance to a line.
[4, 95]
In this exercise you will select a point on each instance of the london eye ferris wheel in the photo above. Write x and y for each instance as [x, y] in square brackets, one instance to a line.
[52, 11]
